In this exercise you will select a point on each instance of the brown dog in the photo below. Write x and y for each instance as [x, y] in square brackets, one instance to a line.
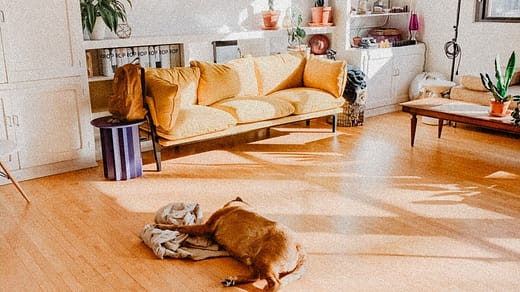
[268, 247]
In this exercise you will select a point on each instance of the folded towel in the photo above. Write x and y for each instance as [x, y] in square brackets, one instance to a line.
[168, 243]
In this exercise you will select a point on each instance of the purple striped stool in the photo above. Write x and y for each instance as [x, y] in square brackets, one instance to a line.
[120, 147]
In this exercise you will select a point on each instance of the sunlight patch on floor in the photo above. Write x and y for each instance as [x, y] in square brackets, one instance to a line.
[297, 137]
[322, 243]
[502, 175]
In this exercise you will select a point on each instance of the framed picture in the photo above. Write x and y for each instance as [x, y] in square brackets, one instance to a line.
[497, 10]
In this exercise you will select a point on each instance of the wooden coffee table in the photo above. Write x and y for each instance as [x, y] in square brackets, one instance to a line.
[456, 111]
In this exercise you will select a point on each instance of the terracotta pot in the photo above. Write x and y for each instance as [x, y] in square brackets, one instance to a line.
[356, 41]
[270, 18]
[316, 14]
[497, 108]
[327, 15]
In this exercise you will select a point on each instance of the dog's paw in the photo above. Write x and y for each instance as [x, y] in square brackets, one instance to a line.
[229, 281]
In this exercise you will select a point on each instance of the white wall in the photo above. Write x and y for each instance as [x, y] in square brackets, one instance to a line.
[480, 41]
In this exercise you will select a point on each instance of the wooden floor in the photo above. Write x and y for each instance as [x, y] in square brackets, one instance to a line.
[374, 213]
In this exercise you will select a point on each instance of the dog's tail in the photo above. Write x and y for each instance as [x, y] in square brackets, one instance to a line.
[298, 270]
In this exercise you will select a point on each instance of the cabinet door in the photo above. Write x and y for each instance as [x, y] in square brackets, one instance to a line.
[379, 82]
[406, 68]
[47, 123]
[7, 133]
[3, 73]
[39, 40]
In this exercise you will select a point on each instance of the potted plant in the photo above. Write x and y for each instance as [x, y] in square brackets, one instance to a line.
[296, 33]
[95, 13]
[317, 12]
[501, 100]
[270, 16]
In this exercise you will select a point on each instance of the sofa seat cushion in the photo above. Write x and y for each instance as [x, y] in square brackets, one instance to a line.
[306, 100]
[198, 120]
[254, 109]
[278, 72]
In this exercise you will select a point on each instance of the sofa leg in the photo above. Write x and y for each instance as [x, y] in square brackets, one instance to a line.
[307, 123]
[157, 156]
[334, 123]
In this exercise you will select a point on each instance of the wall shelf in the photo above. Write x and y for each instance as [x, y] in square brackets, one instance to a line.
[378, 14]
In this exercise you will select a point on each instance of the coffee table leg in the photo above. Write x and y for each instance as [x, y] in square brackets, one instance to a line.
[439, 129]
[413, 126]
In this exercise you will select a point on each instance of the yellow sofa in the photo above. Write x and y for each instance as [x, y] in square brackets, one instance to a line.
[207, 100]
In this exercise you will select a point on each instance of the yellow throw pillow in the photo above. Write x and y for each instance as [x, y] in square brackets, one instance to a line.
[186, 78]
[165, 102]
[217, 82]
[246, 75]
[277, 72]
[327, 75]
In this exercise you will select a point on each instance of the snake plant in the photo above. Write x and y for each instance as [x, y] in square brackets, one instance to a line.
[503, 80]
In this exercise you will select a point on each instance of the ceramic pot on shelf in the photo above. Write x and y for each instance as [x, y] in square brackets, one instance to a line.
[316, 15]
[98, 32]
[327, 15]
[270, 19]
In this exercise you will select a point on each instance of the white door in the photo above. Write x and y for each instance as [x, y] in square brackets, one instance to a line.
[37, 39]
[47, 122]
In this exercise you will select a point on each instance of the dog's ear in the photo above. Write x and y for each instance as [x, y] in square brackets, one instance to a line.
[238, 199]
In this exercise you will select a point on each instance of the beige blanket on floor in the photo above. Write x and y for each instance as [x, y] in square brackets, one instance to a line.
[168, 243]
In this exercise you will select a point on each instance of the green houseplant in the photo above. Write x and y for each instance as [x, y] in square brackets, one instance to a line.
[499, 90]
[110, 11]
[296, 32]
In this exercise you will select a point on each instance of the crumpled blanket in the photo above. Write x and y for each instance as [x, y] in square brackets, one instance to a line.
[356, 82]
[169, 243]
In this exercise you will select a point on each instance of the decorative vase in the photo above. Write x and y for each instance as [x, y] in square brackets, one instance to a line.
[317, 15]
[326, 15]
[98, 32]
[498, 108]
[270, 19]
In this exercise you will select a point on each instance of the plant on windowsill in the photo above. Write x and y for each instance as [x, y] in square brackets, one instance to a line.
[501, 100]
[270, 16]
[95, 13]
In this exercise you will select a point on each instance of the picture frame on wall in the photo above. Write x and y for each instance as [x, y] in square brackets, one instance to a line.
[497, 11]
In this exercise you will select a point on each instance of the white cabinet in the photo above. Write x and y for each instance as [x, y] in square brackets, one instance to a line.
[43, 105]
[389, 74]
[37, 38]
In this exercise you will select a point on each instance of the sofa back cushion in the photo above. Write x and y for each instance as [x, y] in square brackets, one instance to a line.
[163, 102]
[245, 68]
[217, 82]
[327, 75]
[279, 72]
[187, 80]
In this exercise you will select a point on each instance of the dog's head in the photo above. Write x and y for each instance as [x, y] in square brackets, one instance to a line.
[236, 202]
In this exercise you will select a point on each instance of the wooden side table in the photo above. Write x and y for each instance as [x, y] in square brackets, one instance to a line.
[120, 147]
